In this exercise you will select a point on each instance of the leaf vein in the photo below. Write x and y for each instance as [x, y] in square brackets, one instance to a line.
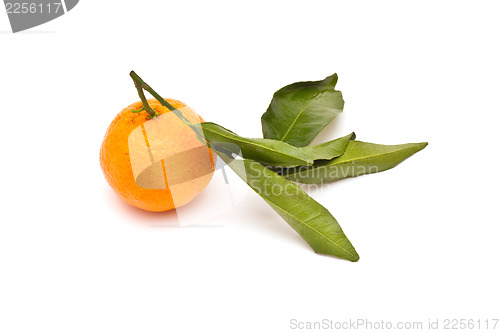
[298, 115]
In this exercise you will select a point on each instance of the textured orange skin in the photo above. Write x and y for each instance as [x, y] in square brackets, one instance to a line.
[115, 160]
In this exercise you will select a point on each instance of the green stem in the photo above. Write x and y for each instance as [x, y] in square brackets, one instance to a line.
[144, 101]
[140, 85]
[139, 110]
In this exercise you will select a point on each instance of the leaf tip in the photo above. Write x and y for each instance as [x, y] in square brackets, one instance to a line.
[331, 80]
[421, 145]
[355, 258]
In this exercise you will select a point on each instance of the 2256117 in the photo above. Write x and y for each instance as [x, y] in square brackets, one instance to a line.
[471, 324]
[33, 8]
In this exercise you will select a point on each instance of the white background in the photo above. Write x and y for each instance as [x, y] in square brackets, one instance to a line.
[74, 258]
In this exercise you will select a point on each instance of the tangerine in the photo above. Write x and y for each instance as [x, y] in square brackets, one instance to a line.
[156, 164]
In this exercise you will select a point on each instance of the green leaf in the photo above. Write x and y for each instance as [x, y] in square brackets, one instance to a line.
[272, 152]
[267, 151]
[298, 112]
[308, 218]
[330, 149]
[359, 158]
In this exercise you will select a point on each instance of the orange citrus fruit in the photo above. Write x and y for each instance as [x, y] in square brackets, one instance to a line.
[156, 164]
